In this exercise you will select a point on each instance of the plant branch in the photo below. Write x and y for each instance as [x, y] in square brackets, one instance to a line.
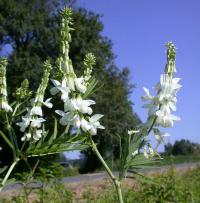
[9, 172]
[110, 173]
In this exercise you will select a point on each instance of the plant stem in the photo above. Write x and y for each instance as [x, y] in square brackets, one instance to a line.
[9, 172]
[11, 136]
[151, 127]
[116, 182]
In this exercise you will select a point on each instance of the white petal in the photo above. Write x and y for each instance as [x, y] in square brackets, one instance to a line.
[95, 117]
[54, 90]
[93, 131]
[85, 125]
[56, 82]
[36, 110]
[48, 104]
[59, 112]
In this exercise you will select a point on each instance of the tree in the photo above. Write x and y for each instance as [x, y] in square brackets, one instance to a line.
[31, 28]
[182, 147]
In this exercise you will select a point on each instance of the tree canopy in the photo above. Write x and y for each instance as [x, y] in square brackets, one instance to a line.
[182, 147]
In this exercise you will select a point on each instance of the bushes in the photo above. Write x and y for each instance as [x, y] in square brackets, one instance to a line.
[165, 188]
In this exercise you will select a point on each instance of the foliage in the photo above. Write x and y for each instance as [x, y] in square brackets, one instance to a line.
[169, 187]
[52, 193]
[182, 147]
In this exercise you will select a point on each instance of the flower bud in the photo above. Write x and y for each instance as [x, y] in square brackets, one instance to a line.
[170, 67]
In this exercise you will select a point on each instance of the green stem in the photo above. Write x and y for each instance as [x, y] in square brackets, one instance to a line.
[116, 182]
[151, 127]
[11, 136]
[9, 172]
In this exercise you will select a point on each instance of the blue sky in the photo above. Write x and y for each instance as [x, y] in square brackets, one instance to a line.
[139, 30]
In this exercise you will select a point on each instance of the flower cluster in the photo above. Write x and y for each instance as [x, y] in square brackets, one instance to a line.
[31, 123]
[164, 102]
[77, 110]
[161, 105]
[4, 106]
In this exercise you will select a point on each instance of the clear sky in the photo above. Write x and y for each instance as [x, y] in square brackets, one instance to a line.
[139, 30]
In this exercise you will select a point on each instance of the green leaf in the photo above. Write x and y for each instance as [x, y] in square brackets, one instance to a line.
[57, 145]
[6, 140]
[142, 178]
[91, 88]
[3, 169]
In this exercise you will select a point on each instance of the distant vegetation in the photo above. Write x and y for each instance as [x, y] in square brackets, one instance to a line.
[182, 147]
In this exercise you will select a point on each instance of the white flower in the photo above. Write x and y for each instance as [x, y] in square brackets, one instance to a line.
[160, 136]
[152, 108]
[148, 96]
[146, 155]
[4, 105]
[36, 123]
[36, 110]
[85, 125]
[83, 105]
[24, 123]
[167, 88]
[66, 117]
[148, 151]
[131, 132]
[62, 87]
[54, 90]
[76, 121]
[136, 152]
[94, 123]
[79, 104]
[27, 136]
[47, 103]
[165, 119]
[69, 105]
[37, 135]
[79, 83]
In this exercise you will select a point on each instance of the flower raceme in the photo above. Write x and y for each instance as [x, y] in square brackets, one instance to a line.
[164, 102]
[4, 106]
[77, 111]
[33, 119]
[161, 106]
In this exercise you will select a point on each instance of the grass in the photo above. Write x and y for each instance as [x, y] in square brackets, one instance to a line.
[181, 187]
[168, 160]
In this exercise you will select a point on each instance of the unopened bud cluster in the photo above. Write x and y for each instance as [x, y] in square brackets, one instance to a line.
[89, 63]
[23, 92]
